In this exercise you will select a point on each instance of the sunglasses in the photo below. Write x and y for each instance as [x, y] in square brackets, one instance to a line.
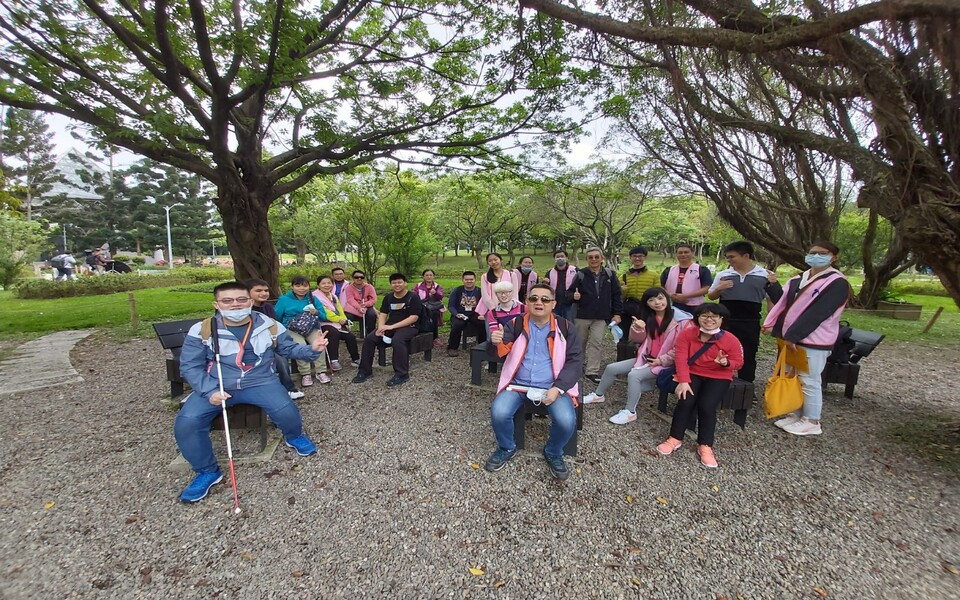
[359, 277]
[536, 299]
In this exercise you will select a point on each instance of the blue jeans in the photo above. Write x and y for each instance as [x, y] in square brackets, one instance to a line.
[283, 372]
[192, 425]
[563, 417]
[810, 382]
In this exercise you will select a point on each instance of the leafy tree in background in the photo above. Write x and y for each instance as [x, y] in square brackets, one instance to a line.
[20, 241]
[873, 87]
[26, 156]
[210, 88]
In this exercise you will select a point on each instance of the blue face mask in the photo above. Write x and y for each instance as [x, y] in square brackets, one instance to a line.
[526, 270]
[236, 314]
[818, 261]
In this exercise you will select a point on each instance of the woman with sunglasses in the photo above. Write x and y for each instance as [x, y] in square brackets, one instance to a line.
[359, 300]
[656, 331]
[706, 358]
[807, 317]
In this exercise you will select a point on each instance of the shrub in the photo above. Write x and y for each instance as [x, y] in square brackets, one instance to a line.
[923, 288]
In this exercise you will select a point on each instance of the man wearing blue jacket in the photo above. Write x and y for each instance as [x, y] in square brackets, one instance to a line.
[248, 342]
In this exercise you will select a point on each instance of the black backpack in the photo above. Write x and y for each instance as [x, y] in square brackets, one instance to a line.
[843, 347]
[425, 322]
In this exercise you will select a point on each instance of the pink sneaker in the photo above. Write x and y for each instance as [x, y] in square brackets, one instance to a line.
[707, 459]
[306, 381]
[670, 446]
[323, 378]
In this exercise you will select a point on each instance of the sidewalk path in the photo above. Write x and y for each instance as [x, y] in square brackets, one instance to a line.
[41, 363]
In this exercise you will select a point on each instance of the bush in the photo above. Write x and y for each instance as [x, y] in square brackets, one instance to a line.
[34, 289]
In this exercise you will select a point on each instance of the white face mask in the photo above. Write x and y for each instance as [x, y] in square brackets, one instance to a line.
[236, 314]
[710, 331]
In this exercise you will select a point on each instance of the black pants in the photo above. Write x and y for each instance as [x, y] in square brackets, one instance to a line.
[472, 324]
[401, 350]
[334, 335]
[369, 320]
[748, 332]
[705, 401]
[631, 309]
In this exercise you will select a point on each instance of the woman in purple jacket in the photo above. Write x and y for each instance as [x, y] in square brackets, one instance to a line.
[807, 317]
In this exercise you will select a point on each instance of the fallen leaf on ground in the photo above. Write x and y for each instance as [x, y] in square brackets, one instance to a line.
[486, 507]
[499, 583]
[476, 571]
[950, 567]
[820, 592]
[715, 488]
[629, 499]
[662, 500]
[635, 581]
[475, 465]
[297, 574]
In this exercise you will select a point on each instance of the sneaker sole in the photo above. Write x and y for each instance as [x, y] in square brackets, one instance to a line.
[622, 423]
[662, 453]
[298, 451]
[210, 487]
[593, 401]
[804, 433]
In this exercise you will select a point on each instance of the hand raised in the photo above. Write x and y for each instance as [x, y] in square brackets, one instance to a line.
[496, 336]
[576, 295]
[722, 359]
[638, 324]
[319, 342]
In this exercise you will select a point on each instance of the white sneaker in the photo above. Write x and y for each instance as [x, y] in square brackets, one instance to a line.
[803, 427]
[592, 398]
[296, 395]
[623, 417]
[788, 419]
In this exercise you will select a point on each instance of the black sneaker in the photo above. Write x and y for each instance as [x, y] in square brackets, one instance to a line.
[594, 378]
[398, 380]
[557, 467]
[360, 377]
[498, 459]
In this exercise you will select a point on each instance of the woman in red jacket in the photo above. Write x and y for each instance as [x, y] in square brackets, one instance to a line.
[706, 358]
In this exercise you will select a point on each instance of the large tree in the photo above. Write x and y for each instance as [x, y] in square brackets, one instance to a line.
[324, 86]
[893, 64]
[26, 156]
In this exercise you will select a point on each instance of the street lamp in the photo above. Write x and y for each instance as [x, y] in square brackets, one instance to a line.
[169, 240]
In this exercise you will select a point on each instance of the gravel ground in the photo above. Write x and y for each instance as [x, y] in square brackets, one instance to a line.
[397, 504]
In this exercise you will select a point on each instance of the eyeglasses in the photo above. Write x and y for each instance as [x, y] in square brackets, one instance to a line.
[359, 277]
[536, 299]
[711, 317]
[229, 301]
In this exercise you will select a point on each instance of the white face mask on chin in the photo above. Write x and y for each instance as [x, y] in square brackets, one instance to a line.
[710, 331]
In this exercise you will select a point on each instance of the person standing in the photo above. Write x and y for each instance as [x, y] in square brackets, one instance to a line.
[463, 303]
[338, 281]
[495, 273]
[397, 322]
[636, 281]
[807, 318]
[542, 364]
[686, 281]
[597, 295]
[65, 264]
[525, 277]
[560, 278]
[359, 299]
[742, 289]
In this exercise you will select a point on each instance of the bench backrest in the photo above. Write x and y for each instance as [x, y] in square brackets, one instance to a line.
[864, 343]
[172, 334]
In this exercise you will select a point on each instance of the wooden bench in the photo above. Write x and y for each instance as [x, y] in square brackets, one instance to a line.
[242, 416]
[526, 412]
[848, 373]
[739, 397]
[422, 342]
[478, 355]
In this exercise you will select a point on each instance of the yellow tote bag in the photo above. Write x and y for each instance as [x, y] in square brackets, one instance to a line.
[783, 394]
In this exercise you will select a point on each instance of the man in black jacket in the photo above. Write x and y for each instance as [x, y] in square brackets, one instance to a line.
[598, 298]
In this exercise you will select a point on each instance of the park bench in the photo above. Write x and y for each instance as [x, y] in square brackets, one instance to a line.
[479, 355]
[848, 373]
[242, 416]
[422, 342]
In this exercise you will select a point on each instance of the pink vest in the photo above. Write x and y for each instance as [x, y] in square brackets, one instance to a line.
[826, 334]
[558, 356]
[552, 279]
[488, 300]
[532, 279]
[662, 347]
[691, 283]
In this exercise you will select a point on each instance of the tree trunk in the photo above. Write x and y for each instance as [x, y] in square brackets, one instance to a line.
[301, 249]
[249, 240]
[931, 233]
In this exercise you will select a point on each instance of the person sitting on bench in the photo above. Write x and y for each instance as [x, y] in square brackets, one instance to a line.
[396, 325]
[543, 364]
[247, 346]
